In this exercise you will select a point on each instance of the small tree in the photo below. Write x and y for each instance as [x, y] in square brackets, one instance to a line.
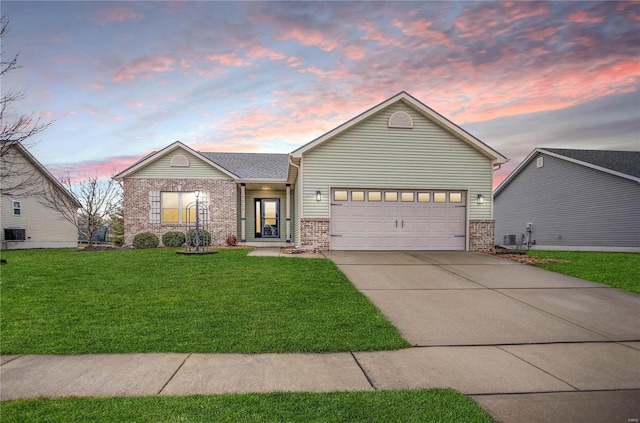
[97, 201]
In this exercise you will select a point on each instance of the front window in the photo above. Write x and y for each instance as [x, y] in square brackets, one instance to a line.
[178, 207]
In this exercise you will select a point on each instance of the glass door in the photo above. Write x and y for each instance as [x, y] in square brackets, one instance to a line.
[268, 218]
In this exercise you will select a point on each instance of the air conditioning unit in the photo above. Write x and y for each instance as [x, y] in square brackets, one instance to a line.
[509, 239]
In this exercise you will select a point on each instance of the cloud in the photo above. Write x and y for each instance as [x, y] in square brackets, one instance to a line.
[116, 14]
[583, 17]
[144, 67]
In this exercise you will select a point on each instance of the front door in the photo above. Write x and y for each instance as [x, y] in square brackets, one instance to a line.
[268, 218]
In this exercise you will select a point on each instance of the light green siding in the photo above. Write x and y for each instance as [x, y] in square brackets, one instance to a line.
[371, 155]
[251, 213]
[161, 168]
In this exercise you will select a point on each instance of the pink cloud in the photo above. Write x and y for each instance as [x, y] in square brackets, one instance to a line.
[116, 14]
[144, 66]
[540, 34]
[98, 85]
[228, 59]
[310, 37]
[583, 17]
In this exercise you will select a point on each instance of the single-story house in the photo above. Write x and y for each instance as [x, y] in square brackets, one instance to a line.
[565, 199]
[26, 222]
[399, 176]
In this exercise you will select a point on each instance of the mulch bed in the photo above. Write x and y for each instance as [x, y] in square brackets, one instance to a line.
[523, 258]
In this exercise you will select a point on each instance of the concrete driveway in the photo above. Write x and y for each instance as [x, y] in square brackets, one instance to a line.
[527, 344]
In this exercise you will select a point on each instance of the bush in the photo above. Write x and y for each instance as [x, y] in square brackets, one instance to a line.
[145, 240]
[117, 240]
[205, 237]
[173, 239]
[232, 240]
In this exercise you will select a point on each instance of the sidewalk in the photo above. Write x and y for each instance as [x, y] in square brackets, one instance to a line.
[508, 381]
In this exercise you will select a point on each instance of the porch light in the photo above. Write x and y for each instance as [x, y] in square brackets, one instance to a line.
[197, 192]
[318, 196]
[480, 199]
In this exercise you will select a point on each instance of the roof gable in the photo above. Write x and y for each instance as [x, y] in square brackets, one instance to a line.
[44, 172]
[625, 164]
[156, 155]
[420, 107]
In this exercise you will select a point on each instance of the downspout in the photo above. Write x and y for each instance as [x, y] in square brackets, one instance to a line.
[299, 212]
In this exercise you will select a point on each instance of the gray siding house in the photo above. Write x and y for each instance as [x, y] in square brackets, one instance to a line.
[399, 176]
[564, 199]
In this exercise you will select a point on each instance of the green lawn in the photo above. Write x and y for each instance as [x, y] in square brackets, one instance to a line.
[438, 405]
[71, 302]
[619, 270]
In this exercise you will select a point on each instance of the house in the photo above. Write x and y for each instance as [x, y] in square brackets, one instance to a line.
[399, 176]
[26, 222]
[563, 199]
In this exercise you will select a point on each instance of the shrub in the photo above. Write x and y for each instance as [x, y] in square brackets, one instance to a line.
[145, 240]
[205, 237]
[232, 240]
[173, 239]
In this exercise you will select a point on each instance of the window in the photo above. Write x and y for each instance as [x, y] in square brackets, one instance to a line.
[268, 218]
[11, 234]
[357, 195]
[340, 195]
[439, 197]
[17, 207]
[424, 197]
[179, 160]
[178, 207]
[406, 197]
[455, 197]
[374, 196]
[391, 196]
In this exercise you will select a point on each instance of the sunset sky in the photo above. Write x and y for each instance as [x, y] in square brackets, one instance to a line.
[120, 79]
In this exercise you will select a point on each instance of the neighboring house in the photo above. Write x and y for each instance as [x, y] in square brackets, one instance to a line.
[562, 199]
[397, 177]
[26, 223]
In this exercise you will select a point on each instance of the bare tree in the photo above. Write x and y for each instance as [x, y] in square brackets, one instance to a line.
[97, 201]
[16, 176]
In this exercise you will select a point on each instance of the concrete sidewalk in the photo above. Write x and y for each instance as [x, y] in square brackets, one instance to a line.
[526, 344]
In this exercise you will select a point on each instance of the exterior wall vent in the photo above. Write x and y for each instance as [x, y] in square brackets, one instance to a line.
[400, 120]
[179, 160]
[540, 162]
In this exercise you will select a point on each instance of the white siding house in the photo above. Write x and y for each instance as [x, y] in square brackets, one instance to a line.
[26, 223]
[398, 176]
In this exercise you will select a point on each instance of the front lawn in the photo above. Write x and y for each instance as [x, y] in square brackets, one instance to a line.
[619, 270]
[71, 302]
[437, 405]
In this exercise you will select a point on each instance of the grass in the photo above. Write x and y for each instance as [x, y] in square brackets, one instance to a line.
[70, 302]
[619, 270]
[437, 405]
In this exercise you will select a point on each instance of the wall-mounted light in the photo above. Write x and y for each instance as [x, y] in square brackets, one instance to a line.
[318, 196]
[197, 192]
[480, 199]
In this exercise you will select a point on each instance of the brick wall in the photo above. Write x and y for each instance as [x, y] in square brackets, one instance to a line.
[481, 234]
[223, 205]
[314, 234]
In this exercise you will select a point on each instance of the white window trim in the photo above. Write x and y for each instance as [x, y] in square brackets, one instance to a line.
[14, 208]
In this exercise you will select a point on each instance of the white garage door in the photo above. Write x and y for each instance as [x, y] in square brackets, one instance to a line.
[398, 219]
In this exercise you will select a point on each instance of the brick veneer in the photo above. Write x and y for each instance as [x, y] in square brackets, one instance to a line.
[314, 234]
[222, 211]
[481, 235]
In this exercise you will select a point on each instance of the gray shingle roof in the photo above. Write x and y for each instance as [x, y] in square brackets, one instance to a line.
[627, 162]
[252, 165]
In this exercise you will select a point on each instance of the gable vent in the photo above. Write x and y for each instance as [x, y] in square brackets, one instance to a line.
[179, 160]
[400, 120]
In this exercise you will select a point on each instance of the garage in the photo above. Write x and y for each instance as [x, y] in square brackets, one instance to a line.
[382, 219]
